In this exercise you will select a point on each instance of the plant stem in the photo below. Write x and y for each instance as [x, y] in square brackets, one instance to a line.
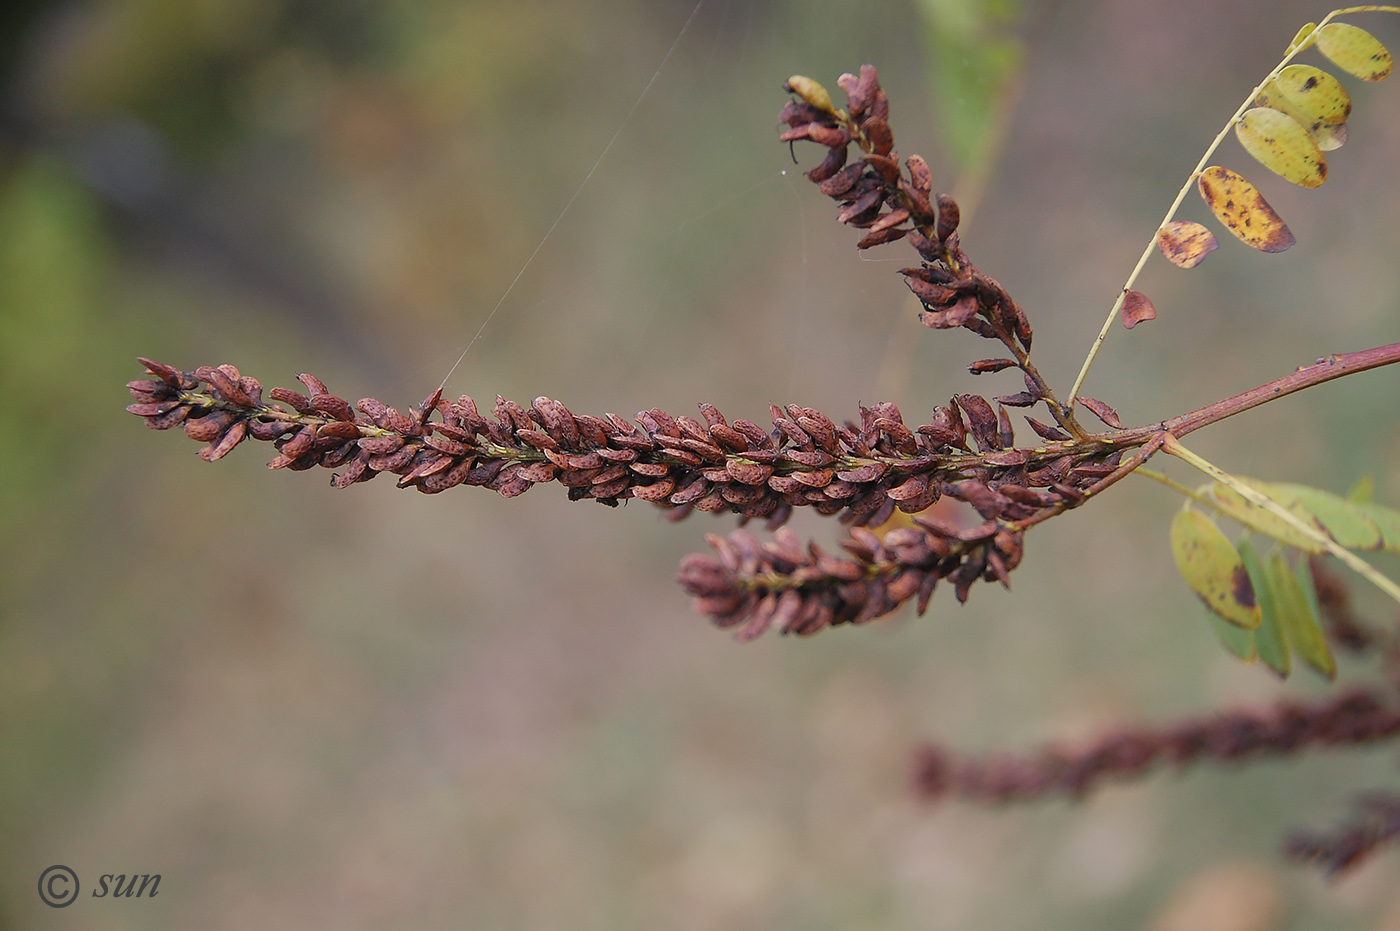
[1324, 370]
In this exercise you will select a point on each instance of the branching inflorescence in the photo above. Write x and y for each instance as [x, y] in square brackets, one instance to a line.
[867, 469]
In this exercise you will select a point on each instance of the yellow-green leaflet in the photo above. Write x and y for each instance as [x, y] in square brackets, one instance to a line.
[1212, 567]
[1233, 505]
[1342, 520]
[1326, 136]
[1315, 92]
[1279, 143]
[1298, 37]
[1355, 51]
[811, 92]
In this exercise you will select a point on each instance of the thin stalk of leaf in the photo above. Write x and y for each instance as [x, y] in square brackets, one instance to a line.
[1171, 483]
[1191, 179]
[1254, 496]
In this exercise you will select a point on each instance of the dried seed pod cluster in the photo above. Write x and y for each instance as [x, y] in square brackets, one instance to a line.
[877, 196]
[676, 462]
[1358, 716]
[873, 193]
[783, 586]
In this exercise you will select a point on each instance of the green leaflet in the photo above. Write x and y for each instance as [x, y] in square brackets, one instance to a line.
[1342, 520]
[1387, 520]
[1237, 640]
[1213, 568]
[1269, 638]
[1364, 491]
[1295, 599]
[1230, 503]
[1356, 525]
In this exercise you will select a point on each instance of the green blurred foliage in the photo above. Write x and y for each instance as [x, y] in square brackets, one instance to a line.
[974, 59]
[55, 263]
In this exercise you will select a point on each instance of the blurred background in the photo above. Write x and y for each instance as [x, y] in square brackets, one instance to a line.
[374, 709]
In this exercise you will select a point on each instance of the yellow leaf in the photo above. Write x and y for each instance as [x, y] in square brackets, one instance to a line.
[1355, 51]
[1244, 211]
[1317, 93]
[1186, 243]
[1298, 38]
[1282, 145]
[1311, 110]
[1213, 569]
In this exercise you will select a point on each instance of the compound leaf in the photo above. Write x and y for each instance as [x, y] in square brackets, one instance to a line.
[1186, 243]
[1212, 567]
[1243, 210]
[1281, 144]
[1269, 638]
[1355, 51]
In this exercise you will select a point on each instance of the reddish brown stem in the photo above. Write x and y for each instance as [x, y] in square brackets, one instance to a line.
[1324, 370]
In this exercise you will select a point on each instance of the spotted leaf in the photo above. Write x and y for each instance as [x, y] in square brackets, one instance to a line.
[1213, 568]
[1355, 51]
[1281, 144]
[1243, 210]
